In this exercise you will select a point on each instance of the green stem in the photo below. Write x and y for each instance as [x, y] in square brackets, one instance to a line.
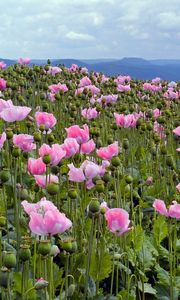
[90, 245]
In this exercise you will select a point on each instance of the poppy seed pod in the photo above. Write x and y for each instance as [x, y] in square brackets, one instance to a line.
[9, 260]
[44, 247]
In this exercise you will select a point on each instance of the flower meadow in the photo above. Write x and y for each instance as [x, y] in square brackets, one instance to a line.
[89, 185]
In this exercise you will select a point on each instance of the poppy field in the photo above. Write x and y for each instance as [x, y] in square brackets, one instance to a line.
[89, 185]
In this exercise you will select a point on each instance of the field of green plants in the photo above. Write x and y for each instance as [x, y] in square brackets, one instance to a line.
[89, 185]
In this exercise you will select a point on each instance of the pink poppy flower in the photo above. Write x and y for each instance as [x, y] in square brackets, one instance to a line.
[160, 207]
[41, 180]
[126, 121]
[81, 135]
[2, 65]
[24, 142]
[54, 70]
[51, 97]
[123, 88]
[88, 147]
[55, 88]
[5, 104]
[2, 139]
[56, 153]
[107, 99]
[176, 131]
[178, 187]
[24, 61]
[50, 222]
[159, 129]
[36, 166]
[46, 119]
[15, 113]
[174, 210]
[85, 81]
[75, 174]
[122, 79]
[45, 218]
[89, 113]
[171, 94]
[117, 220]
[42, 205]
[2, 84]
[156, 113]
[178, 149]
[156, 80]
[84, 70]
[71, 147]
[108, 152]
[73, 68]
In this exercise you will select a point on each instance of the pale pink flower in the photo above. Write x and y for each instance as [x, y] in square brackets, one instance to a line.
[71, 147]
[107, 99]
[42, 205]
[178, 149]
[2, 65]
[75, 174]
[85, 81]
[81, 135]
[178, 187]
[55, 88]
[24, 61]
[176, 131]
[41, 283]
[108, 152]
[46, 219]
[51, 97]
[15, 113]
[156, 113]
[159, 129]
[160, 207]
[2, 84]
[55, 151]
[123, 88]
[2, 139]
[171, 94]
[89, 113]
[73, 68]
[174, 210]
[88, 147]
[5, 104]
[117, 220]
[46, 119]
[36, 166]
[54, 70]
[24, 142]
[122, 79]
[126, 121]
[156, 80]
[92, 88]
[104, 206]
[41, 179]
[84, 70]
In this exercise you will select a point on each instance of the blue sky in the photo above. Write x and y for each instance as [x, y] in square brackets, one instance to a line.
[90, 28]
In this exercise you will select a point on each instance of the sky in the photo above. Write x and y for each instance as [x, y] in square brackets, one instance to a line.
[89, 29]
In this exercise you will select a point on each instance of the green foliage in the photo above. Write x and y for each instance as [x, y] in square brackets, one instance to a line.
[100, 271]
[17, 286]
[160, 229]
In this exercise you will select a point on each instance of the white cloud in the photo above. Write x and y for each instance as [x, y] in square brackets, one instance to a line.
[72, 35]
[90, 29]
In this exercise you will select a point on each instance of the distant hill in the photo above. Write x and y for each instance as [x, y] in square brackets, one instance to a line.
[137, 68]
